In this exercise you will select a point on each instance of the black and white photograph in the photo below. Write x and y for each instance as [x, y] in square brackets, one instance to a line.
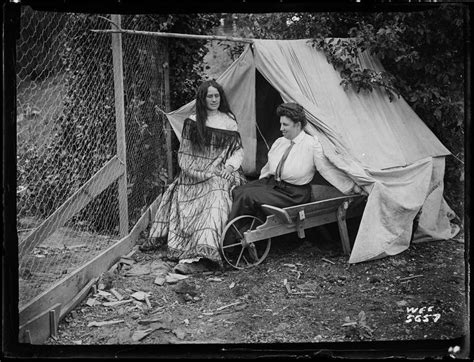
[267, 179]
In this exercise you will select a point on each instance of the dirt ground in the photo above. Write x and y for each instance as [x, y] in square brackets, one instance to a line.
[304, 291]
[61, 253]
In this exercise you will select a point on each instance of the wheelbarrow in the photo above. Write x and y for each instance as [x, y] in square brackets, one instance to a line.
[246, 239]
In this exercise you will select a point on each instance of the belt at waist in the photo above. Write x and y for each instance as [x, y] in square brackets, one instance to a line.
[284, 183]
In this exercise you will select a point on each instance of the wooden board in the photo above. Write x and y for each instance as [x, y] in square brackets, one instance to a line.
[38, 329]
[117, 61]
[66, 289]
[316, 214]
[332, 203]
[65, 309]
[279, 213]
[289, 215]
[96, 184]
[65, 292]
[272, 227]
[343, 234]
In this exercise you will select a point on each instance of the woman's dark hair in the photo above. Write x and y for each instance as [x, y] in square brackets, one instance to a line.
[201, 109]
[293, 111]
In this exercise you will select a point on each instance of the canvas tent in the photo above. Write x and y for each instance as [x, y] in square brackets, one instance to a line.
[383, 146]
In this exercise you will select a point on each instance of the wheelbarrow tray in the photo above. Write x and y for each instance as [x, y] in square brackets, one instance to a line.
[281, 221]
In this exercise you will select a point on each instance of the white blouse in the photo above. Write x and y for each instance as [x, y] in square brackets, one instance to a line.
[223, 121]
[304, 159]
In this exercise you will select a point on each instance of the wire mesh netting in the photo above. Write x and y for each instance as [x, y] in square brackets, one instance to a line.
[67, 193]
[144, 62]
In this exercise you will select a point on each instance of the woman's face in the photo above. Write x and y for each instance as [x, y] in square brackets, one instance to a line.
[213, 99]
[288, 128]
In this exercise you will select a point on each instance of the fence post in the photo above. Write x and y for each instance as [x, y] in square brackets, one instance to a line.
[117, 56]
[166, 69]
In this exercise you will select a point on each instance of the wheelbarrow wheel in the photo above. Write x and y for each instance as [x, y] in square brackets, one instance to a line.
[235, 250]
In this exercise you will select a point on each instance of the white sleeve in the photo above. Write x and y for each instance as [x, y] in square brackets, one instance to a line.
[331, 173]
[265, 171]
[232, 125]
[235, 160]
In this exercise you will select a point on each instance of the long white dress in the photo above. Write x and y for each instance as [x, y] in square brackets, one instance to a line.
[194, 209]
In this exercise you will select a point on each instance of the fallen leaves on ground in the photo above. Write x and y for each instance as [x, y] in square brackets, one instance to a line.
[306, 294]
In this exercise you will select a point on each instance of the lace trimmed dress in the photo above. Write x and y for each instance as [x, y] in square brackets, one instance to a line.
[194, 209]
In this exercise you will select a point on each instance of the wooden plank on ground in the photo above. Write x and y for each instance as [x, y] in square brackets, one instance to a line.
[96, 184]
[145, 219]
[66, 290]
[38, 329]
[154, 207]
[65, 309]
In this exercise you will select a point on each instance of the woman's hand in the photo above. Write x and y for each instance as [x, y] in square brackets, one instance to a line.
[359, 190]
[227, 172]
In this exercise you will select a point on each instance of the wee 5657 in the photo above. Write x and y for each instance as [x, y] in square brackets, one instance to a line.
[424, 314]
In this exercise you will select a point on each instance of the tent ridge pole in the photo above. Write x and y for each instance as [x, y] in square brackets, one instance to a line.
[174, 35]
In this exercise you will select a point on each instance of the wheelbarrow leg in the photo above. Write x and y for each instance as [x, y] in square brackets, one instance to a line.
[341, 222]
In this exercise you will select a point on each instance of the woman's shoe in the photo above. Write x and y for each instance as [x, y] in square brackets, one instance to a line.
[200, 266]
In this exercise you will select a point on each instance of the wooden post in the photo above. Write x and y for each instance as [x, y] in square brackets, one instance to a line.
[120, 124]
[166, 71]
[54, 320]
[341, 223]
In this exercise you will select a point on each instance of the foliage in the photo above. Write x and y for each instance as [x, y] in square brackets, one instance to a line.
[40, 41]
[358, 328]
[85, 139]
[185, 55]
[422, 53]
[343, 54]
[81, 143]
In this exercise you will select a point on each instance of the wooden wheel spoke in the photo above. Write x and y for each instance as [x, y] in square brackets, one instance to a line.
[251, 226]
[238, 231]
[231, 245]
[240, 257]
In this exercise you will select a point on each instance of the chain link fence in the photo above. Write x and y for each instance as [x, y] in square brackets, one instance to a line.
[67, 196]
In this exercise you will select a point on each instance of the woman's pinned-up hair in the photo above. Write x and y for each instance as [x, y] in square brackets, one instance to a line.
[294, 111]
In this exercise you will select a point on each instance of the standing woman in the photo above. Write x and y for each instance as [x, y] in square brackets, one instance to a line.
[194, 209]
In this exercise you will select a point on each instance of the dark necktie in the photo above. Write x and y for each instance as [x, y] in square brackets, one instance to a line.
[282, 161]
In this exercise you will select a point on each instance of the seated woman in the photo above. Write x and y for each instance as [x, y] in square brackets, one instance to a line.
[193, 210]
[292, 163]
